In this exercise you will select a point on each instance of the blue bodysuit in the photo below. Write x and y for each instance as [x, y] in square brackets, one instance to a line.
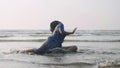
[53, 41]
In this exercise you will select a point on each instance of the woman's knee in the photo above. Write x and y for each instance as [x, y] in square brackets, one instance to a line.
[73, 48]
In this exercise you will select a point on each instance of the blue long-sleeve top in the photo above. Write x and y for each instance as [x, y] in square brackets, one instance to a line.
[53, 41]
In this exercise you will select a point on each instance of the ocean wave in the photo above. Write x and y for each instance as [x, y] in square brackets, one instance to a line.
[46, 63]
[106, 52]
[27, 40]
[5, 36]
[109, 65]
[34, 33]
[66, 64]
[92, 40]
[41, 40]
[63, 64]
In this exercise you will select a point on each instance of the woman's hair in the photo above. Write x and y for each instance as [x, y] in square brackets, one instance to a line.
[54, 24]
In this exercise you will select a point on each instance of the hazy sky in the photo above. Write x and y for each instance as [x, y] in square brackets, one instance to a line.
[37, 14]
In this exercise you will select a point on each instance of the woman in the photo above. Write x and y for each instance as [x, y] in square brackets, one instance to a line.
[53, 41]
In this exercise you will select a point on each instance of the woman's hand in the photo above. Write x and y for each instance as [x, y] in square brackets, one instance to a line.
[74, 30]
[68, 33]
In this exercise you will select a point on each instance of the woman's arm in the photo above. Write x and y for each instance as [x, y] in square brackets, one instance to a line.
[68, 33]
[60, 28]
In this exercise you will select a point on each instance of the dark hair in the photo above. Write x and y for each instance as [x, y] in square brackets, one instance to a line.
[54, 24]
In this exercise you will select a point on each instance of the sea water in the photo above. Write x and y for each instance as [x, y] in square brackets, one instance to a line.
[96, 49]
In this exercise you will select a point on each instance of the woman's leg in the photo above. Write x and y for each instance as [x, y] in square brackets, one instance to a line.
[72, 48]
[29, 51]
[26, 51]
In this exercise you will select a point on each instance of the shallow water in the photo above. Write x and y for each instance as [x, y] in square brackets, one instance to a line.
[89, 55]
[93, 51]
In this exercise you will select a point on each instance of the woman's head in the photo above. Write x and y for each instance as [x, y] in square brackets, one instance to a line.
[53, 25]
